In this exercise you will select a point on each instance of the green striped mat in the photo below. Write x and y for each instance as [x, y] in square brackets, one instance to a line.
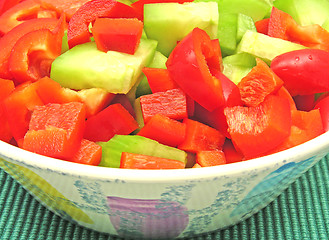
[301, 212]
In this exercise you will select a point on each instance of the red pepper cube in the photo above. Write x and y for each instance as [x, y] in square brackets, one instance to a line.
[78, 28]
[117, 34]
[18, 107]
[232, 154]
[200, 137]
[210, 158]
[51, 142]
[171, 103]
[257, 130]
[114, 119]
[139, 161]
[89, 153]
[258, 83]
[159, 79]
[68, 116]
[164, 130]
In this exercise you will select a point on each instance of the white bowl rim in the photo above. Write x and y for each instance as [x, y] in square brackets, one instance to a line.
[307, 150]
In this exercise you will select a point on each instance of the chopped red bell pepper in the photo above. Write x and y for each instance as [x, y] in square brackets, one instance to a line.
[305, 126]
[89, 153]
[18, 107]
[282, 25]
[117, 34]
[125, 102]
[323, 105]
[200, 137]
[283, 92]
[171, 103]
[5, 5]
[196, 165]
[305, 102]
[78, 31]
[69, 7]
[114, 119]
[8, 41]
[24, 11]
[303, 71]
[32, 55]
[261, 128]
[190, 65]
[216, 118]
[6, 88]
[232, 154]
[51, 142]
[69, 117]
[210, 158]
[262, 26]
[139, 161]
[159, 79]
[50, 91]
[258, 83]
[164, 130]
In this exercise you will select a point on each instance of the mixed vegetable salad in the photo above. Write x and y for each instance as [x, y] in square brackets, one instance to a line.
[163, 84]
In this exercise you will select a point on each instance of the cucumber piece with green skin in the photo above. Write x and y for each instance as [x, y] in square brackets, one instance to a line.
[256, 9]
[113, 149]
[238, 66]
[244, 23]
[305, 12]
[227, 33]
[84, 66]
[169, 23]
[265, 47]
[159, 61]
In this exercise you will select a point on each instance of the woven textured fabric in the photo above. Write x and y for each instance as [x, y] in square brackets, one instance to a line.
[300, 212]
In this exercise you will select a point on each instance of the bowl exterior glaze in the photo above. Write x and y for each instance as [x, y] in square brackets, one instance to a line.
[159, 204]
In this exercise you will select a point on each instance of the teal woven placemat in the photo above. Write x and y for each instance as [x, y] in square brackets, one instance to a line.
[300, 212]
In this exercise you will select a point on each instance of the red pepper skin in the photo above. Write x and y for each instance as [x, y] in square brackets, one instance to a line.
[282, 25]
[171, 103]
[33, 53]
[232, 154]
[139, 161]
[114, 119]
[89, 153]
[117, 34]
[305, 102]
[305, 126]
[200, 137]
[216, 118]
[5, 5]
[78, 31]
[258, 83]
[262, 26]
[50, 91]
[189, 65]
[261, 128]
[125, 102]
[159, 79]
[283, 92]
[210, 158]
[323, 106]
[8, 41]
[18, 108]
[69, 117]
[303, 71]
[164, 130]
[22, 12]
[6, 88]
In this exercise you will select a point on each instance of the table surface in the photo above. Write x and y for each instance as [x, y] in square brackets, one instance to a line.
[300, 212]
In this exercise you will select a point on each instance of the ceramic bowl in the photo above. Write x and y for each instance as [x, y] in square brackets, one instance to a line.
[159, 203]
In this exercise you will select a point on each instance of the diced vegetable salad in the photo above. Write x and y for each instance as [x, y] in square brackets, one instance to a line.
[163, 84]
